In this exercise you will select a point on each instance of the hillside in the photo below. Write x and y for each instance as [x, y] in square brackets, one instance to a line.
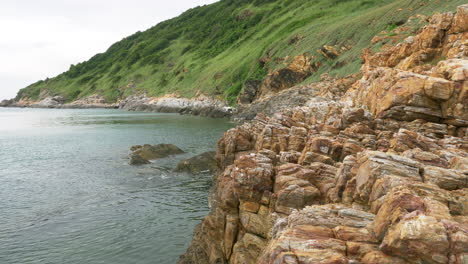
[367, 172]
[215, 49]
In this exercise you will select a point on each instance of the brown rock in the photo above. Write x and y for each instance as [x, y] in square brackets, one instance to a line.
[299, 69]
[204, 162]
[419, 237]
[376, 175]
[445, 178]
[152, 152]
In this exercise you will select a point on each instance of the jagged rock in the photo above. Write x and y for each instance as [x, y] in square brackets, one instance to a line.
[445, 178]
[376, 175]
[293, 188]
[249, 92]
[299, 69]
[420, 237]
[315, 235]
[197, 164]
[408, 87]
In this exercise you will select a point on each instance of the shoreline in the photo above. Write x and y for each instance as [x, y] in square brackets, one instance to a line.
[198, 106]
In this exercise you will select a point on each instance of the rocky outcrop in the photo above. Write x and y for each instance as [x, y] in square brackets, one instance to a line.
[328, 88]
[391, 195]
[297, 70]
[143, 154]
[205, 162]
[6, 103]
[249, 93]
[201, 105]
[49, 102]
[376, 176]
[407, 84]
[93, 101]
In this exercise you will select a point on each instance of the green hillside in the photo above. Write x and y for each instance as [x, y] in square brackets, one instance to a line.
[216, 48]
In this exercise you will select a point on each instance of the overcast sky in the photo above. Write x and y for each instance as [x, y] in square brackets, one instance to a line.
[41, 38]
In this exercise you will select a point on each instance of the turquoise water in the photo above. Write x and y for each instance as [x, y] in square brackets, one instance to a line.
[68, 195]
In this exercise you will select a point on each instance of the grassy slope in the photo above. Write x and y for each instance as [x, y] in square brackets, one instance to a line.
[215, 49]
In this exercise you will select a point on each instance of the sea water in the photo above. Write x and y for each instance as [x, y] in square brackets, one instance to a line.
[68, 194]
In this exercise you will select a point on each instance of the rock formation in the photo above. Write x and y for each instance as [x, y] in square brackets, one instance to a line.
[201, 105]
[374, 174]
[6, 103]
[205, 162]
[298, 70]
[93, 101]
[49, 102]
[143, 154]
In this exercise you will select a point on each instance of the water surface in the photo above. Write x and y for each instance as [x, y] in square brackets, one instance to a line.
[68, 195]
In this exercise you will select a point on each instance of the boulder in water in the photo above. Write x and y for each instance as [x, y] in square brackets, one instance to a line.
[136, 159]
[147, 152]
[197, 164]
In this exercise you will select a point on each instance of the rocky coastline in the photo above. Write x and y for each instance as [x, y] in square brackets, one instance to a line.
[200, 105]
[374, 172]
[367, 169]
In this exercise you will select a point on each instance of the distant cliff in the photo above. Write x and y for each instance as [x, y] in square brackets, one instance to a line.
[234, 50]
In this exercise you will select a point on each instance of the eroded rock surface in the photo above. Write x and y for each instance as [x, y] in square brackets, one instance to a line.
[374, 174]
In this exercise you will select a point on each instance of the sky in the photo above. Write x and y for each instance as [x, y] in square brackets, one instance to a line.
[41, 38]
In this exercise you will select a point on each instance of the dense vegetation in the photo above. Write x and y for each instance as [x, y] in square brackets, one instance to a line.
[214, 49]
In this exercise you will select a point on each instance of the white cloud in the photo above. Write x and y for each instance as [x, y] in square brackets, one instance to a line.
[41, 38]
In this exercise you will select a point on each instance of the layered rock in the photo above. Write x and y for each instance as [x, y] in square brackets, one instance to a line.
[297, 70]
[407, 85]
[377, 176]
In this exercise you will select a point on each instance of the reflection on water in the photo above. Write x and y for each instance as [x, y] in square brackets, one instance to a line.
[68, 195]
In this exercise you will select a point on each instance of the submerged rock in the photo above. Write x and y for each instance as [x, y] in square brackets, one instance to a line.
[136, 159]
[200, 163]
[143, 154]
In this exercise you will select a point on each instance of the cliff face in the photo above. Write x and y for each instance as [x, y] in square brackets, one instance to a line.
[373, 172]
